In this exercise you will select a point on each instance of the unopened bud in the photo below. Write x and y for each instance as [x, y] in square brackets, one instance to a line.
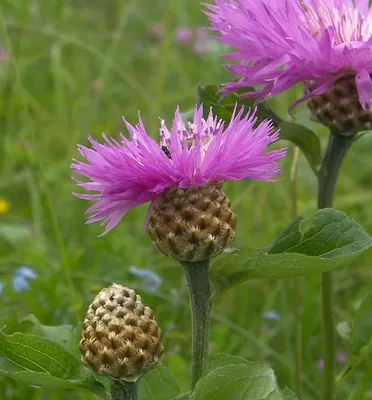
[339, 107]
[192, 224]
[120, 337]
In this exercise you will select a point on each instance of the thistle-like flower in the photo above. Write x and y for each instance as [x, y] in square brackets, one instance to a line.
[326, 44]
[189, 217]
[120, 337]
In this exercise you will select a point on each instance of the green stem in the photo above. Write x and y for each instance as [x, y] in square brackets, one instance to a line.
[298, 337]
[122, 390]
[200, 293]
[297, 285]
[335, 154]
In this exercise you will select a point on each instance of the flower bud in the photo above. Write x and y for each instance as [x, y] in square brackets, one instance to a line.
[192, 224]
[339, 107]
[120, 337]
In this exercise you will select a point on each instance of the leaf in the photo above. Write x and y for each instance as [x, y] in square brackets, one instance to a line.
[183, 396]
[222, 359]
[64, 335]
[239, 382]
[304, 138]
[288, 394]
[312, 245]
[223, 105]
[361, 335]
[37, 361]
[15, 234]
[155, 383]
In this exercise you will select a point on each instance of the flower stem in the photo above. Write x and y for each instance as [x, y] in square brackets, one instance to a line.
[122, 390]
[200, 293]
[335, 154]
[297, 284]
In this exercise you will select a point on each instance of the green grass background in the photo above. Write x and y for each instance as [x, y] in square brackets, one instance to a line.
[75, 67]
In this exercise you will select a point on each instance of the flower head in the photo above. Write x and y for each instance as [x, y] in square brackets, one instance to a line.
[184, 34]
[138, 170]
[4, 206]
[284, 42]
[120, 336]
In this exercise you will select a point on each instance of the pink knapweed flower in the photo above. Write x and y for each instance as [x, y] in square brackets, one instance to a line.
[283, 42]
[138, 170]
[184, 35]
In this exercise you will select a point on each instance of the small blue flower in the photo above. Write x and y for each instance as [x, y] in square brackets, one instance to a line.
[272, 315]
[2, 286]
[151, 282]
[21, 278]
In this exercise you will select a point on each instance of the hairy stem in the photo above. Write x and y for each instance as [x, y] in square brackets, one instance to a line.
[122, 390]
[335, 154]
[200, 293]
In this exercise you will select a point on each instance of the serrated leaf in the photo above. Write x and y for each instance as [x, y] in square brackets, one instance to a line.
[64, 335]
[288, 394]
[37, 361]
[157, 383]
[238, 382]
[312, 245]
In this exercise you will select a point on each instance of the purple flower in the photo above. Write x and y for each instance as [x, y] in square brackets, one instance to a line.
[283, 42]
[3, 55]
[202, 44]
[184, 34]
[131, 172]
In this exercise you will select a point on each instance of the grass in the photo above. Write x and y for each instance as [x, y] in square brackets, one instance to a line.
[74, 69]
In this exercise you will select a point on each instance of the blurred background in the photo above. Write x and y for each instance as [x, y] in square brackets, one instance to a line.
[72, 68]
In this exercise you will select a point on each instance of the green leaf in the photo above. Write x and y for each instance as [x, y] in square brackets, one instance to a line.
[64, 335]
[304, 138]
[155, 383]
[222, 359]
[15, 234]
[223, 106]
[37, 361]
[312, 245]
[239, 382]
[183, 396]
[361, 334]
[288, 394]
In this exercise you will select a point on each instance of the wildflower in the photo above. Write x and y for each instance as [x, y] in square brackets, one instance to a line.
[3, 55]
[182, 177]
[21, 278]
[4, 206]
[202, 43]
[341, 357]
[320, 364]
[2, 286]
[325, 44]
[120, 336]
[184, 35]
[151, 281]
[272, 315]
